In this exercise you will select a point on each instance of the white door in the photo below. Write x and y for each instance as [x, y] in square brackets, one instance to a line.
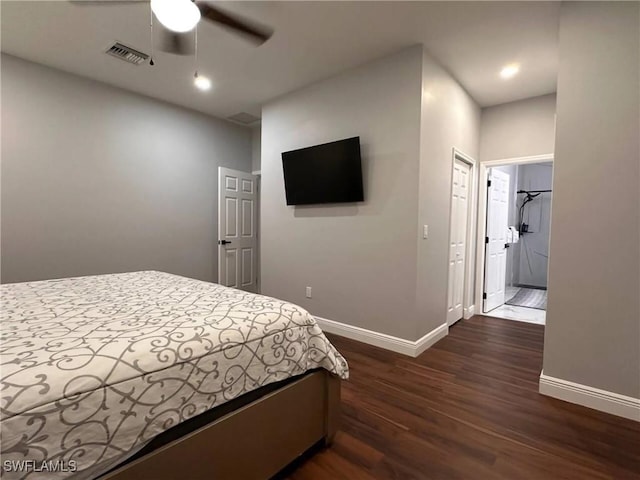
[458, 239]
[495, 269]
[237, 229]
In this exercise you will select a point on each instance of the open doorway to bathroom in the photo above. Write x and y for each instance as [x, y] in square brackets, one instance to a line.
[517, 215]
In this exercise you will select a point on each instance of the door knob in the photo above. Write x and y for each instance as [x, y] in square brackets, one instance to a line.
[223, 242]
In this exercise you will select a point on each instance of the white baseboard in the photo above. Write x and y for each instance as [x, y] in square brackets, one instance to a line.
[412, 348]
[424, 342]
[469, 312]
[609, 402]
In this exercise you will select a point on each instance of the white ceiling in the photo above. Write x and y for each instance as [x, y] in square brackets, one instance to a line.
[312, 41]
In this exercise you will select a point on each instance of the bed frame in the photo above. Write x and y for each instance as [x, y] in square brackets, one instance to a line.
[253, 442]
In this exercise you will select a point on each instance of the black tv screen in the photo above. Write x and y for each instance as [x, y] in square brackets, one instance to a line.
[327, 173]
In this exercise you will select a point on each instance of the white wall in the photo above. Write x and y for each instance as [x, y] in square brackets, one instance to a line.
[360, 259]
[518, 129]
[98, 180]
[449, 118]
[366, 262]
[256, 148]
[592, 335]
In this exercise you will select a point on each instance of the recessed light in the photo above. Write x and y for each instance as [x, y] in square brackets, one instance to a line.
[510, 70]
[201, 82]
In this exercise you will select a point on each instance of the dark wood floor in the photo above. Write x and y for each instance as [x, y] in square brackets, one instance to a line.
[467, 408]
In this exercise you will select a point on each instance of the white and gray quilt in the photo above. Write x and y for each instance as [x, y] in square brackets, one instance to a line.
[95, 367]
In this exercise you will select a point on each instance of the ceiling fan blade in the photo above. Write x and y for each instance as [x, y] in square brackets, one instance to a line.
[176, 43]
[84, 3]
[257, 33]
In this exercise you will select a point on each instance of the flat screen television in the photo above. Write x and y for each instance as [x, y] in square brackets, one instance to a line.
[327, 173]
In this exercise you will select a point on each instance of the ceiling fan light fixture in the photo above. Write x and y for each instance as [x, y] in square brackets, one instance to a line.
[176, 15]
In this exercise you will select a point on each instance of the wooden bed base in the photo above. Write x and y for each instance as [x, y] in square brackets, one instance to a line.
[253, 442]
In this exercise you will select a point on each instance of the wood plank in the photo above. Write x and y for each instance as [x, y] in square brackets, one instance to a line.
[468, 407]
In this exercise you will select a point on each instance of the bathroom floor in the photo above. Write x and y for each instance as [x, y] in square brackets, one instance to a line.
[518, 313]
[529, 297]
[510, 292]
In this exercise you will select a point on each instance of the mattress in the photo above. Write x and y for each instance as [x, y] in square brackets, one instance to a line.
[95, 367]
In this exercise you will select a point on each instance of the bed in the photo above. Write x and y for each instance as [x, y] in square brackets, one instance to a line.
[97, 369]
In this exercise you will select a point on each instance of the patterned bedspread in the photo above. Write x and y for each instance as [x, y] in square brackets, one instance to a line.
[95, 367]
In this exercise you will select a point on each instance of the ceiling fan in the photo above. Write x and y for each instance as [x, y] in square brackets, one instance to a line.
[180, 17]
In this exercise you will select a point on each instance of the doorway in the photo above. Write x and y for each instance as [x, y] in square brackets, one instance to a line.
[513, 253]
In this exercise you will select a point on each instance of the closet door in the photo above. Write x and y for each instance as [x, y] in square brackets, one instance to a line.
[460, 202]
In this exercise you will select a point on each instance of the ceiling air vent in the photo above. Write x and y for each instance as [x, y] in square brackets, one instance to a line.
[243, 118]
[127, 54]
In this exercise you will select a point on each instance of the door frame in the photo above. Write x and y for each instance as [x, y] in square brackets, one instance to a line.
[482, 212]
[468, 304]
[258, 174]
